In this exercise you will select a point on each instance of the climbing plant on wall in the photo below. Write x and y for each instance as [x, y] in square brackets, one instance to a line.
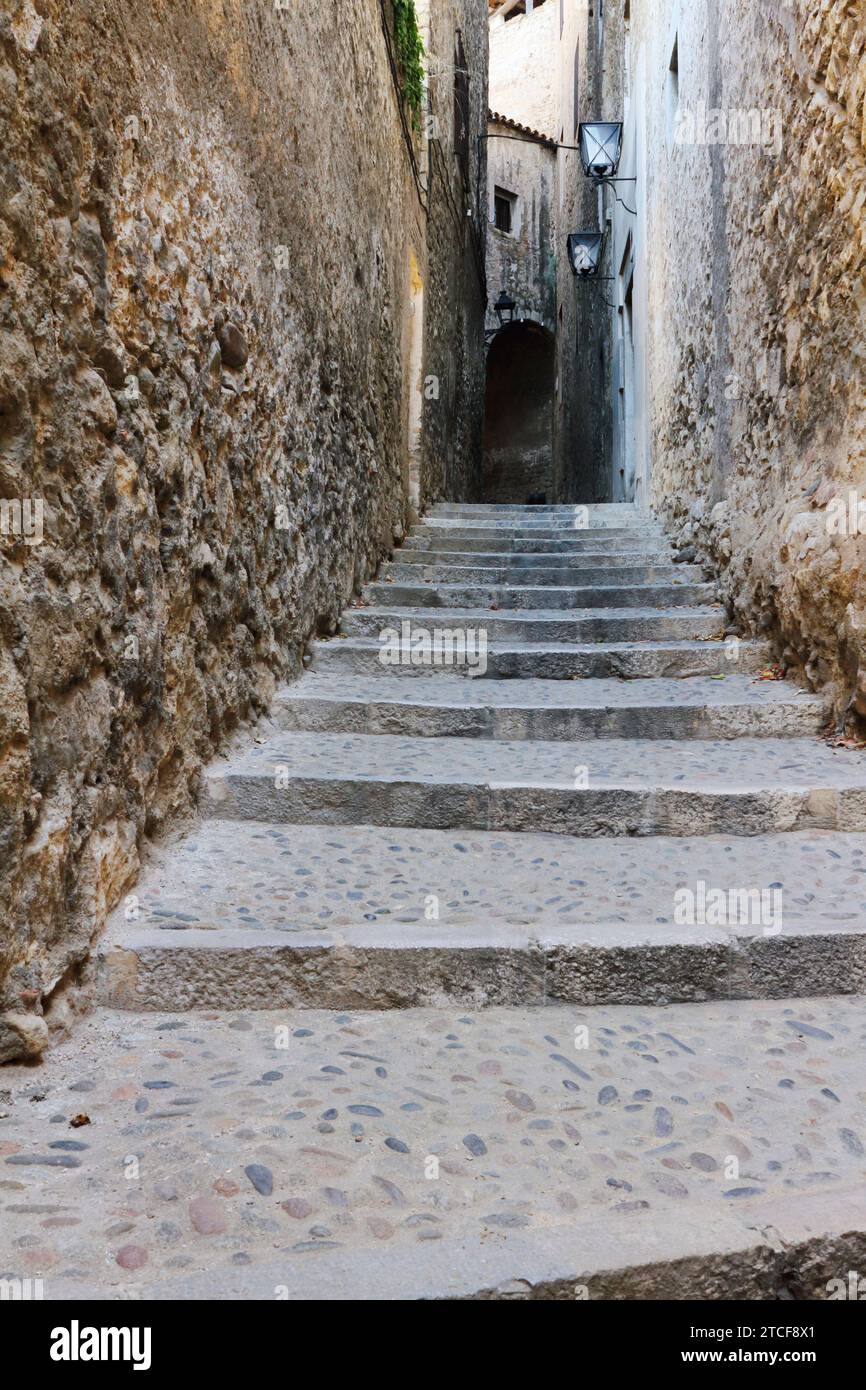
[410, 53]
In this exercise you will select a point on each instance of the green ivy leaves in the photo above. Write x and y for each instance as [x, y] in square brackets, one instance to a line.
[410, 52]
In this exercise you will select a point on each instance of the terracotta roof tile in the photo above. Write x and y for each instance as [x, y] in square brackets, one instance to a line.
[523, 129]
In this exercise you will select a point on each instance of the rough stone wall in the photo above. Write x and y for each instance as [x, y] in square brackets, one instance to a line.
[454, 359]
[610, 474]
[205, 210]
[757, 312]
[579, 425]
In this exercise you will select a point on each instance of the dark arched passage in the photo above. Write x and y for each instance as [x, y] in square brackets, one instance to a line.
[518, 427]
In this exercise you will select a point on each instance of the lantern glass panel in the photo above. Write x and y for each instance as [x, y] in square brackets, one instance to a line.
[584, 252]
[600, 148]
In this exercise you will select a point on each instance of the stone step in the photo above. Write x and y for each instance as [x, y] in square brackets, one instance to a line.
[576, 519]
[360, 917]
[596, 510]
[446, 706]
[561, 543]
[577, 1154]
[565, 576]
[565, 661]
[553, 625]
[599, 787]
[506, 533]
[579, 517]
[530, 596]
[525, 565]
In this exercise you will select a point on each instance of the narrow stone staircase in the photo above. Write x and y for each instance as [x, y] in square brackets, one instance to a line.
[533, 973]
[409, 834]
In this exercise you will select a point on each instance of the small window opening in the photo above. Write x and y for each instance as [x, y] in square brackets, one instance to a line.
[504, 211]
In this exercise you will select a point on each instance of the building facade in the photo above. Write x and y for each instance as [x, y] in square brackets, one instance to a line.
[521, 264]
[735, 368]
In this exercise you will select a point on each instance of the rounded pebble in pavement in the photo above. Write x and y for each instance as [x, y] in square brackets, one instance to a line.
[131, 1257]
[297, 1207]
[207, 1216]
[380, 1228]
[261, 1178]
[664, 1122]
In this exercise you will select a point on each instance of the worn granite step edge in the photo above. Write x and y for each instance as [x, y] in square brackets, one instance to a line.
[604, 511]
[548, 576]
[530, 598]
[610, 811]
[759, 1249]
[497, 538]
[538, 555]
[153, 970]
[558, 661]
[295, 712]
[545, 625]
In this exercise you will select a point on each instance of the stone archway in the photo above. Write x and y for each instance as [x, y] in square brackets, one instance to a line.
[518, 426]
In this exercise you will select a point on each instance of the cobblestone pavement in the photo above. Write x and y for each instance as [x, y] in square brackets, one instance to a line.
[774, 763]
[217, 1143]
[299, 878]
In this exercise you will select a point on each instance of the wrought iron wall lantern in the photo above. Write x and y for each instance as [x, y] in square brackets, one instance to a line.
[600, 144]
[584, 255]
[504, 310]
[600, 147]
